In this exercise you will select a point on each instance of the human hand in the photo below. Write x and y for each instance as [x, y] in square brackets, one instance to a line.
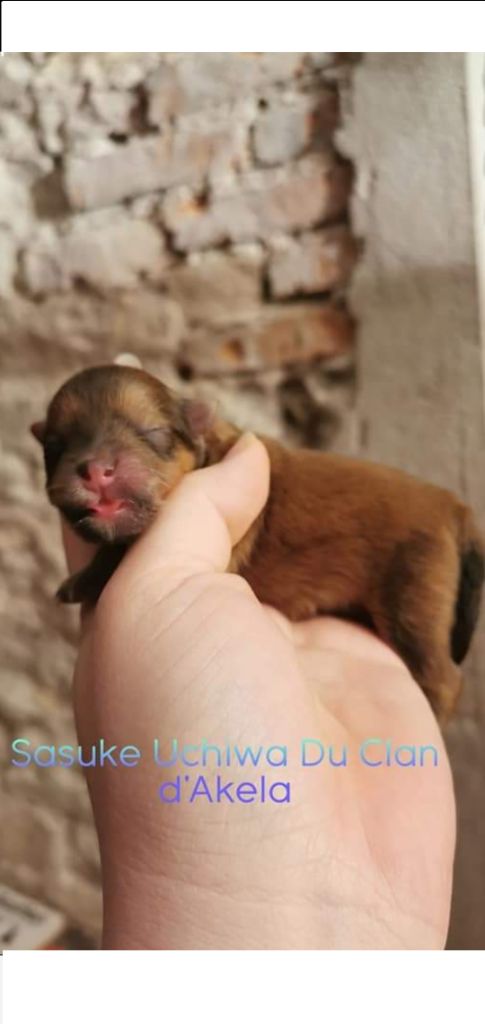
[177, 647]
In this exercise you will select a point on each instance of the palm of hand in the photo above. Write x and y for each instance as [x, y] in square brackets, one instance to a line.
[360, 857]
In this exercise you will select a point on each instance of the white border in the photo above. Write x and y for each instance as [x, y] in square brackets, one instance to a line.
[226, 26]
[244, 987]
[475, 81]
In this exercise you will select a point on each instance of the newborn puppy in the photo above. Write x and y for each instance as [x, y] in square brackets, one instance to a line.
[337, 535]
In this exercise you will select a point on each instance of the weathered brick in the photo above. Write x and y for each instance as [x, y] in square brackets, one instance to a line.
[126, 171]
[289, 123]
[16, 210]
[259, 205]
[5, 751]
[56, 71]
[212, 286]
[53, 109]
[20, 700]
[313, 262]
[8, 262]
[15, 477]
[113, 108]
[19, 144]
[86, 139]
[282, 132]
[82, 127]
[37, 59]
[192, 120]
[97, 328]
[194, 81]
[79, 898]
[250, 401]
[321, 60]
[16, 74]
[146, 164]
[279, 336]
[309, 422]
[116, 70]
[34, 837]
[57, 94]
[106, 251]
[299, 335]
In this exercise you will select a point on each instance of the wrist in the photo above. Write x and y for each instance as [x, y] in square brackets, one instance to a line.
[161, 914]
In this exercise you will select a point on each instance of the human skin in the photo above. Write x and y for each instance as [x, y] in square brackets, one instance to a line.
[177, 647]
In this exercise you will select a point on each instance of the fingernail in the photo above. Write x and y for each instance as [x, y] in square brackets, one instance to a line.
[243, 442]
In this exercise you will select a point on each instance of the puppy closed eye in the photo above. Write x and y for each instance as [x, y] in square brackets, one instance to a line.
[158, 438]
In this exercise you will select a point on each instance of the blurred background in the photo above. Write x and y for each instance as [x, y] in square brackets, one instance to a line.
[288, 233]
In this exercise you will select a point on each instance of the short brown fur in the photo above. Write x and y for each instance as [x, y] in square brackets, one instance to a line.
[337, 535]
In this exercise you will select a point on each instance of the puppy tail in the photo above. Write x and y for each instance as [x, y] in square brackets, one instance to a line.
[472, 573]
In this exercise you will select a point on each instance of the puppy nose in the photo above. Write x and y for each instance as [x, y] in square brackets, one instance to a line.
[96, 472]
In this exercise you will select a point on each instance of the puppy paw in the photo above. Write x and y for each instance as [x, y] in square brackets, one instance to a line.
[72, 590]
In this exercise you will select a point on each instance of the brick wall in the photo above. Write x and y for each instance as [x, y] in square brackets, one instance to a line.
[189, 208]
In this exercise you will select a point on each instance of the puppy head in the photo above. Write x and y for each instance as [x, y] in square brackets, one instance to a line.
[116, 441]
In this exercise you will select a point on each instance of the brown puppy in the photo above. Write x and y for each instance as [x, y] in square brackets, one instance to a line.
[336, 536]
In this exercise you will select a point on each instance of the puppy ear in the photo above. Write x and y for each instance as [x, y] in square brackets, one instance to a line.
[38, 430]
[127, 359]
[198, 418]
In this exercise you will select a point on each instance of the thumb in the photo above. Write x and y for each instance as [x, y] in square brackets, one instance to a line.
[205, 516]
